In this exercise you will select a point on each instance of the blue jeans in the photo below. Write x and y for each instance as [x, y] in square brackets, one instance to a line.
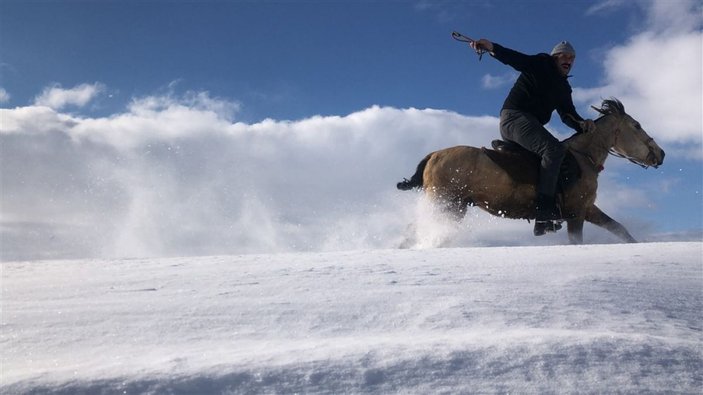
[524, 129]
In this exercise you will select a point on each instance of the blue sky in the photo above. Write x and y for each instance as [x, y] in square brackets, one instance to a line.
[116, 66]
[292, 59]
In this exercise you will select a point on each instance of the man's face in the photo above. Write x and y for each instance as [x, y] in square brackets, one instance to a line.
[564, 62]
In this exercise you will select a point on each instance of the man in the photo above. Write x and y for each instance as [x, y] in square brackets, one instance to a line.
[541, 88]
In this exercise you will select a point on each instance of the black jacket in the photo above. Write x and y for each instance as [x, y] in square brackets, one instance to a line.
[540, 89]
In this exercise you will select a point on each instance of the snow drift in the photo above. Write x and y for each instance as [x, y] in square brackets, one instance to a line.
[592, 318]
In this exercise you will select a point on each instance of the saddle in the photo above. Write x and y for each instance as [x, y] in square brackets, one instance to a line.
[523, 165]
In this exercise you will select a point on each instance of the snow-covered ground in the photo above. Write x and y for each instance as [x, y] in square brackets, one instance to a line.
[557, 319]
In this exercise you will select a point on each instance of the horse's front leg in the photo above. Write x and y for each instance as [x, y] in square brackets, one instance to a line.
[575, 230]
[595, 216]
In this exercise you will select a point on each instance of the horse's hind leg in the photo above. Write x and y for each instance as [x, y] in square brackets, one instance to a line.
[438, 236]
[437, 223]
[575, 230]
[595, 216]
[456, 209]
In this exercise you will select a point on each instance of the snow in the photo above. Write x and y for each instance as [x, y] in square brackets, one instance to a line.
[548, 319]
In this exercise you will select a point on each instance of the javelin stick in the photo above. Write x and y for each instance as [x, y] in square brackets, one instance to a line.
[465, 39]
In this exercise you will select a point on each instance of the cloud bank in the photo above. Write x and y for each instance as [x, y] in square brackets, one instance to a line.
[176, 175]
[57, 98]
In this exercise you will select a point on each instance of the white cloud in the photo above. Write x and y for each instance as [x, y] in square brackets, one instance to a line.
[605, 5]
[174, 175]
[34, 120]
[159, 118]
[493, 82]
[4, 96]
[57, 98]
[657, 74]
[662, 16]
[198, 101]
[148, 119]
[674, 16]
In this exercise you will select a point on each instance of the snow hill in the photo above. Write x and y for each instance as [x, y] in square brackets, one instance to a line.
[558, 319]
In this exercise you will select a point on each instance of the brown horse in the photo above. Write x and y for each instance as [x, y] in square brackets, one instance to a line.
[503, 182]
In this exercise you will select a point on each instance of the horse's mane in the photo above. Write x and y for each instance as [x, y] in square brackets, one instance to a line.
[610, 106]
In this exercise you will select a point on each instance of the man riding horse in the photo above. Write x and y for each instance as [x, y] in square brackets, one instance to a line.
[541, 88]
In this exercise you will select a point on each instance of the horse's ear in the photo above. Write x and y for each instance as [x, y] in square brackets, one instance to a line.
[598, 109]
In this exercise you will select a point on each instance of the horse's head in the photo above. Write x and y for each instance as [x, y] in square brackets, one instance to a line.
[631, 141]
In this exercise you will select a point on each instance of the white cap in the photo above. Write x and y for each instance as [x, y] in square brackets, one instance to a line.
[564, 47]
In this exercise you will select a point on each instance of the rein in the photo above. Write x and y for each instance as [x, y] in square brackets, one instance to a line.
[464, 39]
[597, 166]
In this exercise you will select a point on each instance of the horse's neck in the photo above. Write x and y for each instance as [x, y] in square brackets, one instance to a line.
[595, 145]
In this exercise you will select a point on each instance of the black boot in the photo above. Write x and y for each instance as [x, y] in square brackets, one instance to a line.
[547, 215]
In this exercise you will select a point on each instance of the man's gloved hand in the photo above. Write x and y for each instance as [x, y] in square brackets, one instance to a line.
[587, 126]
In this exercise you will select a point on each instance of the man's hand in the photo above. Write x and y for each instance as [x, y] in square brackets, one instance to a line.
[587, 126]
[482, 45]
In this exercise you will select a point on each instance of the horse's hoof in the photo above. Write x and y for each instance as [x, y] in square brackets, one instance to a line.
[405, 185]
[544, 227]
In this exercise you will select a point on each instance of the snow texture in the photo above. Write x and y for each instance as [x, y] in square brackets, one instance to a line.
[558, 319]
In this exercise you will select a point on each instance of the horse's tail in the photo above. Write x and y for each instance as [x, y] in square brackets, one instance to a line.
[416, 180]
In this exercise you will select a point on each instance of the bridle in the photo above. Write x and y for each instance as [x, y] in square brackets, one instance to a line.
[636, 161]
[631, 159]
[610, 149]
